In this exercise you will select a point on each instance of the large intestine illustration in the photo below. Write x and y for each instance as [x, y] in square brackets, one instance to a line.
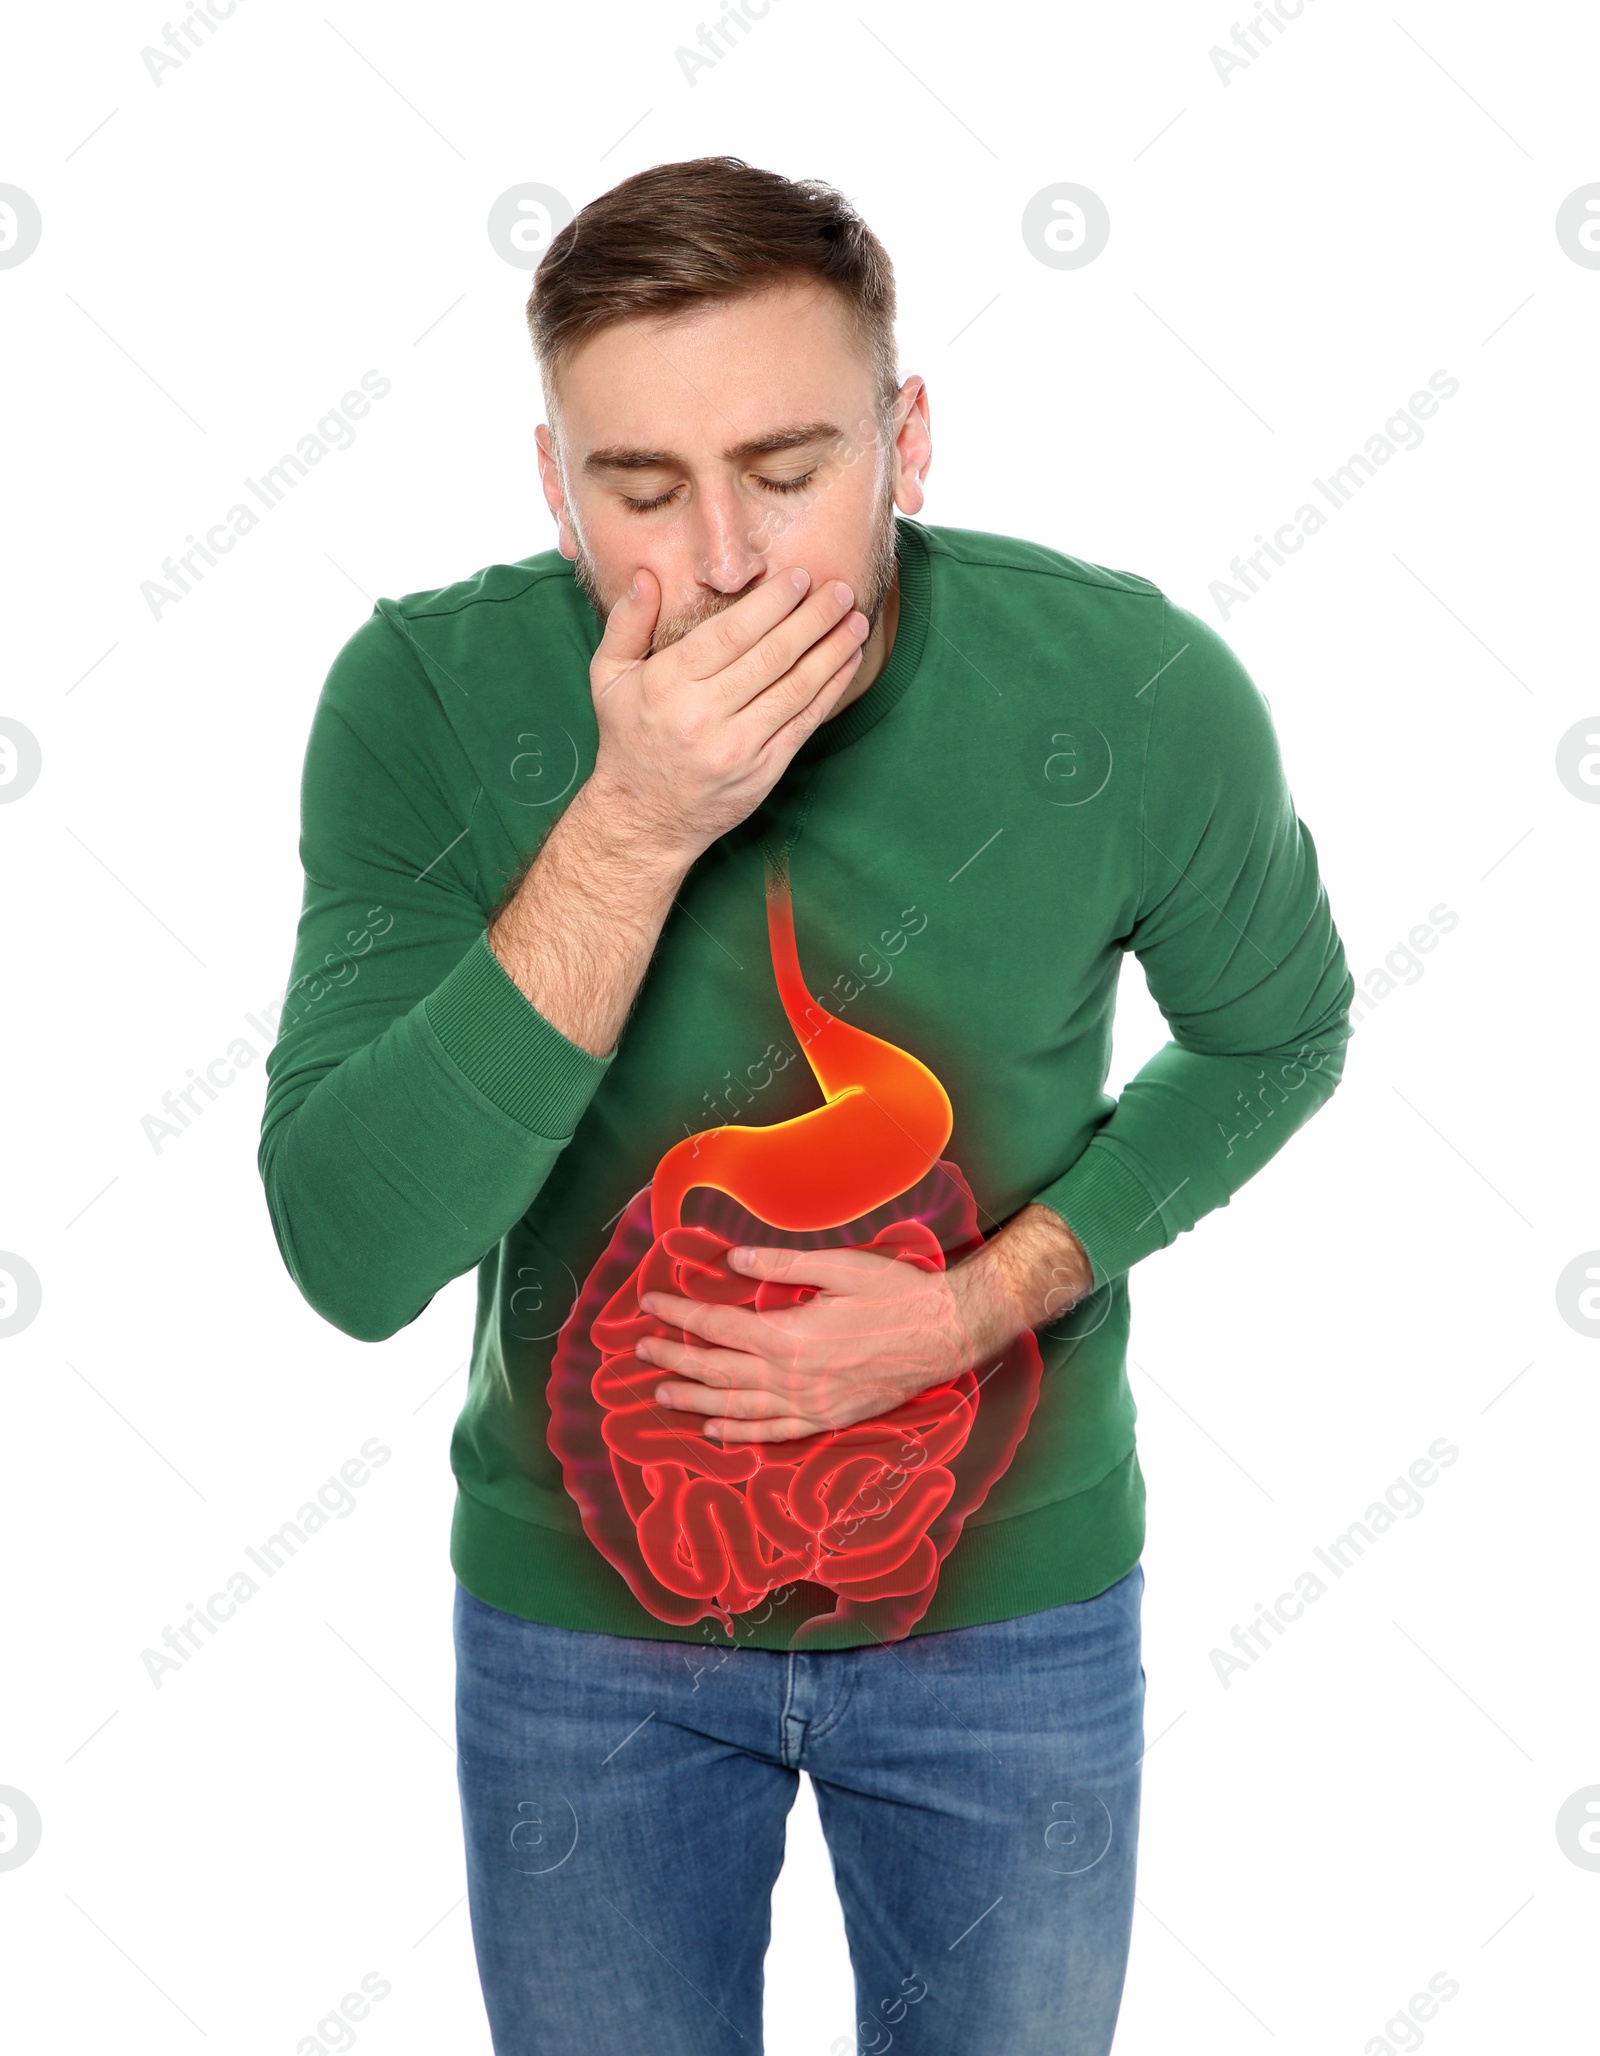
[868, 1512]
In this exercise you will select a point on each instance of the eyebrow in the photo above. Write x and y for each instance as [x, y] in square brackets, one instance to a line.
[618, 457]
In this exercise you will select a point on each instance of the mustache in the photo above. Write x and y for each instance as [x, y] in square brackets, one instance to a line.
[880, 575]
[675, 628]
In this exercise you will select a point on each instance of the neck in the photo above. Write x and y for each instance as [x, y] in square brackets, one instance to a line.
[875, 650]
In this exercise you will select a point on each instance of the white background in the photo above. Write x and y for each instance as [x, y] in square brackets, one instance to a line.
[1292, 253]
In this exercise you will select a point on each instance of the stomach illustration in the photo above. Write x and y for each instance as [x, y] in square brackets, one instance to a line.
[868, 1512]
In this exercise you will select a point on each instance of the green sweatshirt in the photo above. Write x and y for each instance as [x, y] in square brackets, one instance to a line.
[1056, 765]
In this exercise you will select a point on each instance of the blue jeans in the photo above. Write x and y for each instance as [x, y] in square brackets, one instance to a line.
[624, 1804]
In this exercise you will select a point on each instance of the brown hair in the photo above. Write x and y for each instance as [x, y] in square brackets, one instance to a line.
[710, 228]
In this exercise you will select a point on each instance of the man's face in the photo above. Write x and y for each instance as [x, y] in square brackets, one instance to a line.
[751, 434]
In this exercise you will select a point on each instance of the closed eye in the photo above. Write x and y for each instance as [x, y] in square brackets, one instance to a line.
[773, 485]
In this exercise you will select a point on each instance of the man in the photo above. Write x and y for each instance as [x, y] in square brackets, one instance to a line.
[711, 933]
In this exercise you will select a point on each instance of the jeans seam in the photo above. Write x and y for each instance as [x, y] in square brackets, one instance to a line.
[783, 1714]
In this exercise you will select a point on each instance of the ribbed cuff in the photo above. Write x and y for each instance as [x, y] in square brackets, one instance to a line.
[1109, 1210]
[493, 1032]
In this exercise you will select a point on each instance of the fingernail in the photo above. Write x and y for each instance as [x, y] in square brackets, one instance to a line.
[661, 1395]
[633, 590]
[842, 593]
[799, 579]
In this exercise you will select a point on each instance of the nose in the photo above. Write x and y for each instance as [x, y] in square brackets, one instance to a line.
[729, 551]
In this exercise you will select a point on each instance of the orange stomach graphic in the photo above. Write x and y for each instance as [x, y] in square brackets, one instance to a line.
[867, 1513]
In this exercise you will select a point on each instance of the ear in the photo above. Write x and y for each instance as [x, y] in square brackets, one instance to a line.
[913, 445]
[555, 492]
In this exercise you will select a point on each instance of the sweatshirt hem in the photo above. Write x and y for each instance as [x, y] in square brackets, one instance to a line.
[1072, 1549]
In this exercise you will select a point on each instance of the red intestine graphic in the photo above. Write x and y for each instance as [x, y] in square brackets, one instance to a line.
[869, 1511]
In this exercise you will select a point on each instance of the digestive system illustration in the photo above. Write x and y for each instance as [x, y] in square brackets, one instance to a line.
[869, 1511]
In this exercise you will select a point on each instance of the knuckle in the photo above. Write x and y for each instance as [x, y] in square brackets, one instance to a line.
[749, 669]
[727, 637]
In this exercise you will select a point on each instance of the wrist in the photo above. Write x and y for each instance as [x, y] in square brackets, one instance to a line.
[991, 1315]
[1063, 1274]
[613, 820]
[1030, 1273]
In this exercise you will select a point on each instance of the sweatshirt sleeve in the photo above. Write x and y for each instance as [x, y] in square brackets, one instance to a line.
[1239, 950]
[416, 1100]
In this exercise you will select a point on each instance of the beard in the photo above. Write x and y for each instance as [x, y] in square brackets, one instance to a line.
[872, 591]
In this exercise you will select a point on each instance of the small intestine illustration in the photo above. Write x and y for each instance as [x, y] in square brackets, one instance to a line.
[868, 1512]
